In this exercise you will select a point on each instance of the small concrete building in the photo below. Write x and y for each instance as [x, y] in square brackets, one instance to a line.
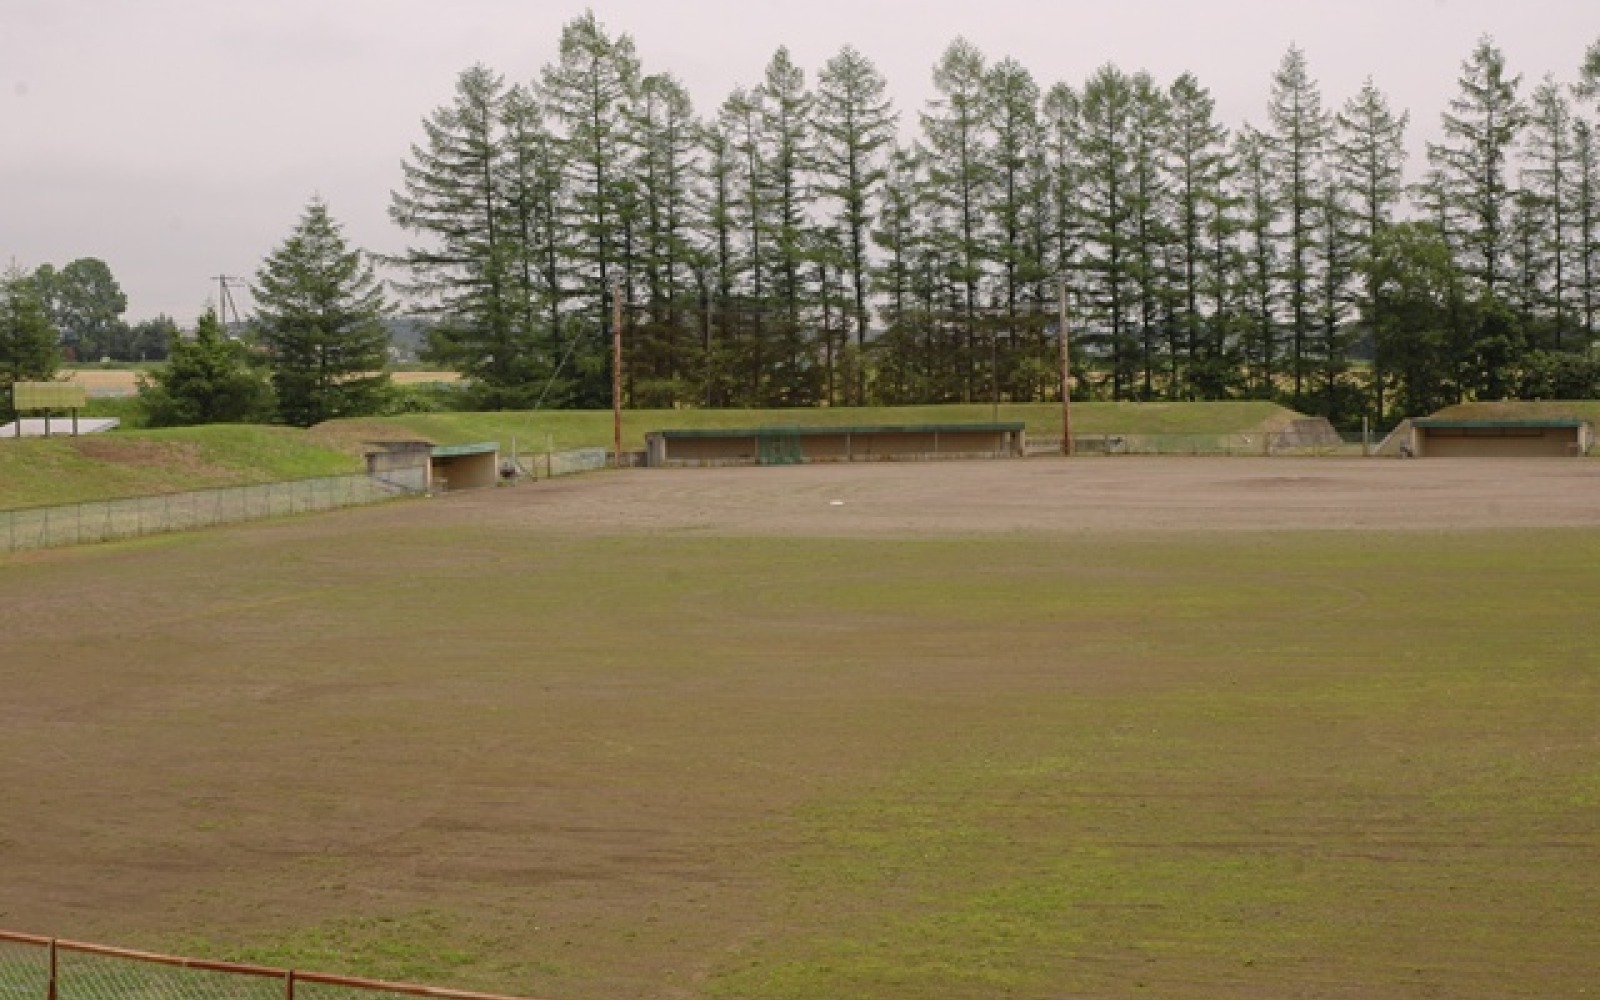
[427, 467]
[464, 466]
[1449, 437]
[795, 445]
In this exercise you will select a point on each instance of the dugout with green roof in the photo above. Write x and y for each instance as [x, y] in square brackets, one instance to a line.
[1499, 430]
[791, 444]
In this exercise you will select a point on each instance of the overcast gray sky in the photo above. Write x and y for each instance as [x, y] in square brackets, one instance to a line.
[180, 139]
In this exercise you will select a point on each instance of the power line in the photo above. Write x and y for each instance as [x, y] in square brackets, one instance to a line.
[225, 303]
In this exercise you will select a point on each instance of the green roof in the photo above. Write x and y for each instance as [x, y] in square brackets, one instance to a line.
[453, 450]
[859, 429]
[1449, 422]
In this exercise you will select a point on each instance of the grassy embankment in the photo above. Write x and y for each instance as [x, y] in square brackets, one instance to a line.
[58, 470]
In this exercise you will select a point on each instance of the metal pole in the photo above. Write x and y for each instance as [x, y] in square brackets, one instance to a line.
[994, 375]
[51, 990]
[616, 370]
[1066, 392]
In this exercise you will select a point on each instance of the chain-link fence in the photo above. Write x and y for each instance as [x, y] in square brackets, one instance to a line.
[38, 968]
[544, 465]
[24, 967]
[104, 520]
[1195, 444]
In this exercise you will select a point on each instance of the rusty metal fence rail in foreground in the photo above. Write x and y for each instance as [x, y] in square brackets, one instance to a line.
[41, 968]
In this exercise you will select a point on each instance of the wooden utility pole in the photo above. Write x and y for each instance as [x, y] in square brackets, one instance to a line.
[616, 371]
[1066, 391]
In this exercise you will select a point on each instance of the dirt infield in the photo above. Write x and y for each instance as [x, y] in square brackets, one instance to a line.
[1089, 494]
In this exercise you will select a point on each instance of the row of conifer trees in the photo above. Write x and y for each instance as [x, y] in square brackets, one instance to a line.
[804, 243]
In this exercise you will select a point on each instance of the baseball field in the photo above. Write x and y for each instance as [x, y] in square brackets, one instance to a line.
[1109, 727]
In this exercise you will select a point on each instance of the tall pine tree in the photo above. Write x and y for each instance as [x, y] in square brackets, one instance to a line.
[319, 313]
[590, 91]
[1296, 140]
[855, 124]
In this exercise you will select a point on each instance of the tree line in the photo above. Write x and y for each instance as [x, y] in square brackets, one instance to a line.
[315, 349]
[795, 247]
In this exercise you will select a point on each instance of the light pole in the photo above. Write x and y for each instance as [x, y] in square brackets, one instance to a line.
[616, 372]
[1066, 386]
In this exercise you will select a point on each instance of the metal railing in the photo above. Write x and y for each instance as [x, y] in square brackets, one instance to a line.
[41, 968]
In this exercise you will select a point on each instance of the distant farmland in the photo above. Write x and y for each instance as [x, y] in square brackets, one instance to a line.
[124, 381]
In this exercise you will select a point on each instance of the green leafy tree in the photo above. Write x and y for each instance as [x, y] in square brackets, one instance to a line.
[1369, 163]
[854, 131]
[1337, 259]
[665, 366]
[86, 304]
[591, 91]
[1197, 164]
[532, 189]
[208, 379]
[1472, 166]
[150, 339]
[1152, 225]
[1417, 301]
[788, 144]
[1296, 147]
[1548, 220]
[903, 363]
[718, 269]
[1258, 288]
[1108, 203]
[1586, 221]
[320, 310]
[746, 346]
[1589, 73]
[28, 351]
[960, 164]
[1016, 199]
[462, 270]
[1559, 375]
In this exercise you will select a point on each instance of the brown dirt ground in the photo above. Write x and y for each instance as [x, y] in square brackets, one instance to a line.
[1088, 494]
[202, 751]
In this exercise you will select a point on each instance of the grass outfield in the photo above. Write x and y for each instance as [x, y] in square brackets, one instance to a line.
[1028, 764]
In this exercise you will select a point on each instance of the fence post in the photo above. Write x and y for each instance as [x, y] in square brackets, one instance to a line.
[288, 985]
[50, 991]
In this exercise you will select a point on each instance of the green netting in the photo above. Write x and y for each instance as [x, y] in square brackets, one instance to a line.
[779, 447]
